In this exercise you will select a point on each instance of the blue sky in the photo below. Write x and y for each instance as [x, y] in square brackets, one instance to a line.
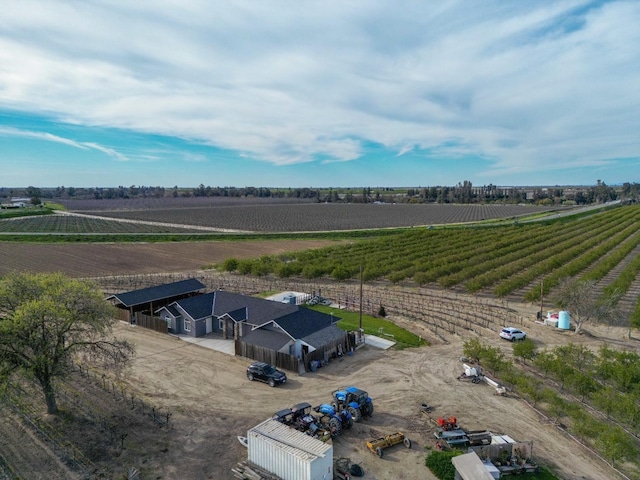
[294, 93]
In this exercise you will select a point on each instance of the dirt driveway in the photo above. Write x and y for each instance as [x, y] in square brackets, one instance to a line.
[213, 402]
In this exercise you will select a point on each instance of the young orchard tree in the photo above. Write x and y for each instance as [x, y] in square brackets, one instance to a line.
[525, 350]
[585, 304]
[46, 321]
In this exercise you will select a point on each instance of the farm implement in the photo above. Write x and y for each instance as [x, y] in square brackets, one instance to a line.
[449, 434]
[471, 373]
[379, 444]
[357, 402]
[476, 375]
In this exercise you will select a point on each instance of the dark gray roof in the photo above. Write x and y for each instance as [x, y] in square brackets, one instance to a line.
[256, 311]
[304, 322]
[197, 307]
[239, 315]
[325, 336]
[171, 309]
[270, 339]
[159, 292]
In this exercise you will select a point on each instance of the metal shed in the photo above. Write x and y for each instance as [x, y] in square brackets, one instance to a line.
[289, 453]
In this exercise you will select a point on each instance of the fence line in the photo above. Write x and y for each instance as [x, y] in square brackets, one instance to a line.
[64, 449]
[120, 392]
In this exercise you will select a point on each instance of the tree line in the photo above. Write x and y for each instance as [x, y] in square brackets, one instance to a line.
[464, 192]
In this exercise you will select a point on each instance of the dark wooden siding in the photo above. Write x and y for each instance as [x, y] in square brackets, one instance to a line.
[153, 323]
[263, 354]
[291, 362]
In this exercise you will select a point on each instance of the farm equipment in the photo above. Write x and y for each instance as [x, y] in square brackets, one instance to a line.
[335, 421]
[426, 408]
[478, 437]
[449, 434]
[447, 424]
[304, 421]
[355, 401]
[343, 469]
[471, 373]
[501, 391]
[476, 375]
[379, 444]
[284, 416]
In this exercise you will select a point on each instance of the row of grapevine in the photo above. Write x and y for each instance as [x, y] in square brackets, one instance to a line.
[82, 225]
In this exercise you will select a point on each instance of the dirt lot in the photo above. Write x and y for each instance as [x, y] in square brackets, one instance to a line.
[213, 403]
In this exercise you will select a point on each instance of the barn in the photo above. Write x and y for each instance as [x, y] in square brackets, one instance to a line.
[145, 301]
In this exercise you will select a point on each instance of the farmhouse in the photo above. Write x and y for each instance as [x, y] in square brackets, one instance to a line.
[280, 333]
[283, 334]
[221, 312]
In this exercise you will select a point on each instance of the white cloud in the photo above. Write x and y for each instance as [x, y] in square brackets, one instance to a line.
[529, 85]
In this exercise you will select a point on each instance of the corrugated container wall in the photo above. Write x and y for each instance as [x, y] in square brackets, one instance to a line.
[288, 453]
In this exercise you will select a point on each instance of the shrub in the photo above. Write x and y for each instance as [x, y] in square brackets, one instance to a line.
[473, 349]
[440, 464]
[245, 266]
[230, 265]
[286, 270]
[312, 271]
[260, 269]
[340, 273]
[525, 350]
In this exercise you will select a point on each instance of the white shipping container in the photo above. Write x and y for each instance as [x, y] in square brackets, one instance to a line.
[288, 453]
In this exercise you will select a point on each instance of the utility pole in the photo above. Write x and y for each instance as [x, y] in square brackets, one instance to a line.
[541, 298]
[361, 330]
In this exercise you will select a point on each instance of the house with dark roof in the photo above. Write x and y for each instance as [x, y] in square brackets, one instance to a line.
[279, 333]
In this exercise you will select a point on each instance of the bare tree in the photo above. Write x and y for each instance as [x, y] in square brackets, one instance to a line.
[584, 304]
[46, 321]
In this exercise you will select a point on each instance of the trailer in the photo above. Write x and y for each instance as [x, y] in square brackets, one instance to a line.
[471, 373]
[476, 375]
[379, 444]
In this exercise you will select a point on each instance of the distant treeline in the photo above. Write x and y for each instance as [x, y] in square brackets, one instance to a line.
[465, 193]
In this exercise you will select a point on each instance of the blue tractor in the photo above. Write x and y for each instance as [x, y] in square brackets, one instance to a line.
[334, 420]
[355, 401]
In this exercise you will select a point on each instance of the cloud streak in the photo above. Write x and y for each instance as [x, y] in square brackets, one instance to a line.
[48, 137]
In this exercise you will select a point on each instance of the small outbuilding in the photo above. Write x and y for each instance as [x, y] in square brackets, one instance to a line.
[470, 467]
[289, 453]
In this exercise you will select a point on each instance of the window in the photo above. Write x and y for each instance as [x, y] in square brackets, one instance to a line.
[220, 324]
[187, 325]
[168, 320]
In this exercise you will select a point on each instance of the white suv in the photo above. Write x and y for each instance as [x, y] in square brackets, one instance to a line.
[511, 334]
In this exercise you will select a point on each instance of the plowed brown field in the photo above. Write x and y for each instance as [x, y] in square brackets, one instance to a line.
[90, 260]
